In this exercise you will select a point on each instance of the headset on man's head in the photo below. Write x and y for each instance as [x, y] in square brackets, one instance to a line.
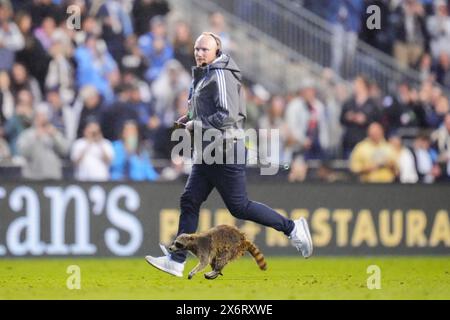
[218, 42]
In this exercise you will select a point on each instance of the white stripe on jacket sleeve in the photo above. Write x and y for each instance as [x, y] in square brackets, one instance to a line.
[222, 88]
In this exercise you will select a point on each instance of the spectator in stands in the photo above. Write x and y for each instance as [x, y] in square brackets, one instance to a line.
[438, 26]
[435, 106]
[43, 147]
[357, 114]
[257, 103]
[130, 78]
[11, 39]
[6, 98]
[427, 101]
[425, 67]
[117, 114]
[183, 45]
[411, 33]
[95, 66]
[62, 116]
[156, 48]
[133, 62]
[89, 27]
[425, 159]
[144, 10]
[61, 72]
[442, 70]
[373, 159]
[40, 9]
[335, 93]
[161, 53]
[345, 17]
[307, 124]
[172, 80]
[442, 108]
[21, 79]
[47, 32]
[21, 120]
[131, 159]
[218, 25]
[116, 27]
[143, 109]
[160, 130]
[375, 94]
[89, 105]
[404, 161]
[401, 110]
[441, 138]
[35, 58]
[5, 152]
[92, 154]
[274, 119]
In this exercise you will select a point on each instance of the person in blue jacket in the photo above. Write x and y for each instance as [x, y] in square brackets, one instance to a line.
[131, 161]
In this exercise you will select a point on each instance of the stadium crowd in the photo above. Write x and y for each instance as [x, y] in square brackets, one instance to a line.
[103, 97]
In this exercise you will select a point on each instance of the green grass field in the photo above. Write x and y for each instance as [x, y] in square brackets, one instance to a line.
[286, 278]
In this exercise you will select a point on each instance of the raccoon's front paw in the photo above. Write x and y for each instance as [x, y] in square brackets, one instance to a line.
[212, 275]
[191, 274]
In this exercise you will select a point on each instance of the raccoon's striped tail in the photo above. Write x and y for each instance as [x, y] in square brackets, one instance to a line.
[259, 258]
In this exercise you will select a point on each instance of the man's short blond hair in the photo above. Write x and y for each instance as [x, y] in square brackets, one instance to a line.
[216, 39]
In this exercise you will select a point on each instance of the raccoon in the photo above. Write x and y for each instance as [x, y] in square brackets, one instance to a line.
[217, 247]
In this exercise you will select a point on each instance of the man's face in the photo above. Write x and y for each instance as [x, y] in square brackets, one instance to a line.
[158, 29]
[309, 93]
[54, 99]
[375, 133]
[205, 50]
[41, 119]
[92, 130]
[359, 85]
[92, 101]
[19, 73]
[396, 142]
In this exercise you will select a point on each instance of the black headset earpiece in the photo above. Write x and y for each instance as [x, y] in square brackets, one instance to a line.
[218, 42]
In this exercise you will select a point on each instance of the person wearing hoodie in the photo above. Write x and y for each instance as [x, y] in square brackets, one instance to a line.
[216, 103]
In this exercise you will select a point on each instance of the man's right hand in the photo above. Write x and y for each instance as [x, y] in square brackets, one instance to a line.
[181, 122]
[360, 118]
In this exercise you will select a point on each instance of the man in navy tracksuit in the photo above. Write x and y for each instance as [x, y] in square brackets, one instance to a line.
[216, 102]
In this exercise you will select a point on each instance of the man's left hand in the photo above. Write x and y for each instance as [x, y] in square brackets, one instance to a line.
[190, 125]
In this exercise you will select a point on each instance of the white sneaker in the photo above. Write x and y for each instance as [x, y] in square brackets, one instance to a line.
[166, 264]
[301, 238]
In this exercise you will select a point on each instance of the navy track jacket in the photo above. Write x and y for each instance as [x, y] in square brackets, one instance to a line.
[216, 99]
